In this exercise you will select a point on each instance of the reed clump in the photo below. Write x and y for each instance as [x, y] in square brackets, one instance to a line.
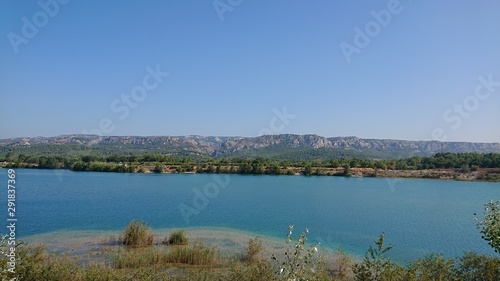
[198, 254]
[137, 234]
[176, 238]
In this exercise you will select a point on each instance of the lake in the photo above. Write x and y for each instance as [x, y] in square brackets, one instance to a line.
[417, 216]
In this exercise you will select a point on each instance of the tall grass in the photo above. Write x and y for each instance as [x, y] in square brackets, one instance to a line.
[198, 254]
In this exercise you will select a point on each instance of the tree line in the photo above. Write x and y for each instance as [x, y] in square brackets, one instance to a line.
[466, 162]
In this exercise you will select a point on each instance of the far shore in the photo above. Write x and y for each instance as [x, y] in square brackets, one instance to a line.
[479, 175]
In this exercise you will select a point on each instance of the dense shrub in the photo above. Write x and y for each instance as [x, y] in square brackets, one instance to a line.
[176, 238]
[490, 225]
[137, 234]
[376, 266]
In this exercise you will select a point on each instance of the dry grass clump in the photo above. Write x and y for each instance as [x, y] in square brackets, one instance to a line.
[198, 254]
[253, 250]
[137, 234]
[176, 238]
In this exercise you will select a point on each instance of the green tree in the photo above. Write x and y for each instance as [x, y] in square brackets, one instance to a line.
[158, 169]
[308, 170]
[347, 169]
[490, 225]
[334, 163]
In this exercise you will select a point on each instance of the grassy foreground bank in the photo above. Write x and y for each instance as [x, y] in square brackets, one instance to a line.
[140, 254]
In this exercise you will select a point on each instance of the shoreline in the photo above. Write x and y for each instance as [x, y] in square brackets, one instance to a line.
[479, 175]
[93, 245]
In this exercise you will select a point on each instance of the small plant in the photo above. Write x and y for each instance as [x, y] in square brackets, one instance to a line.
[490, 225]
[298, 262]
[376, 266]
[137, 234]
[254, 248]
[176, 238]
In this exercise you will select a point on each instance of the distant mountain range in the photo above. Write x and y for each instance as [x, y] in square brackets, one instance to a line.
[285, 146]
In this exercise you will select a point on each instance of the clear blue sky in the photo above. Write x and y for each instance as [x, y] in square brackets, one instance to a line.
[418, 74]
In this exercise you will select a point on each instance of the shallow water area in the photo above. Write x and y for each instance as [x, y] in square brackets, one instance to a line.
[91, 246]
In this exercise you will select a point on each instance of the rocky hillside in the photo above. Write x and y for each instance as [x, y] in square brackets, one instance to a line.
[273, 146]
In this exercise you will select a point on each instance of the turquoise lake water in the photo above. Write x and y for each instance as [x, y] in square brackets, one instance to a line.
[417, 216]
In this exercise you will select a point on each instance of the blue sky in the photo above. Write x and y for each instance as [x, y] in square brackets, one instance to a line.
[414, 72]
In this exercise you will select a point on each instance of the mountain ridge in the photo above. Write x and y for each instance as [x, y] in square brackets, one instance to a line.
[272, 146]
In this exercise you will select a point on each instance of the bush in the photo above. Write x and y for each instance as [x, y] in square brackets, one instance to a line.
[490, 225]
[254, 248]
[472, 266]
[176, 238]
[432, 267]
[158, 169]
[137, 234]
[376, 266]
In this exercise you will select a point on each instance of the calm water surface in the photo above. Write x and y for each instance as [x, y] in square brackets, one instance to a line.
[418, 216]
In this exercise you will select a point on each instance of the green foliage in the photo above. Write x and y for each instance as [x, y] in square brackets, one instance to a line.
[158, 169]
[490, 225]
[472, 266]
[137, 234]
[176, 238]
[320, 164]
[347, 170]
[308, 170]
[432, 267]
[376, 266]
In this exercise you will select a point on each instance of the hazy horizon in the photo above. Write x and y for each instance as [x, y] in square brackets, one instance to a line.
[402, 70]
